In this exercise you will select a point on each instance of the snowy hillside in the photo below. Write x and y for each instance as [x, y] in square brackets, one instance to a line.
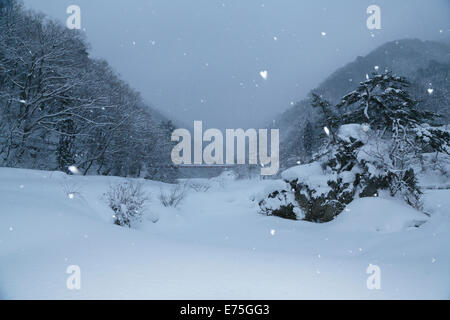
[215, 244]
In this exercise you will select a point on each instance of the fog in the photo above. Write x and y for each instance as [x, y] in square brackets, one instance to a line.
[201, 59]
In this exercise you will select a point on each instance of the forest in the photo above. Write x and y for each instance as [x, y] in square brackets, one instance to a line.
[59, 107]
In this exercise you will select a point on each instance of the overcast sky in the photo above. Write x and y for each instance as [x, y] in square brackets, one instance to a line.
[201, 59]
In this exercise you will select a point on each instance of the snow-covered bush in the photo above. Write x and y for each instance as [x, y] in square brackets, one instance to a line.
[173, 196]
[199, 186]
[127, 200]
[70, 188]
[374, 146]
[278, 200]
[320, 192]
[434, 171]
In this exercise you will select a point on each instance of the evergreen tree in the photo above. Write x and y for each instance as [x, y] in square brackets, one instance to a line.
[383, 102]
[5, 4]
[308, 138]
[329, 119]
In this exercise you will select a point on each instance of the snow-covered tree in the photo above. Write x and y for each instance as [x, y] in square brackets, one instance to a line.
[59, 107]
[373, 147]
[308, 139]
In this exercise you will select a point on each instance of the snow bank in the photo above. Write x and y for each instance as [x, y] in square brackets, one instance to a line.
[215, 245]
[378, 215]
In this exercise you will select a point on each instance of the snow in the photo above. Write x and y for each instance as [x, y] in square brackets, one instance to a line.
[214, 245]
[281, 199]
[311, 174]
[378, 215]
[356, 131]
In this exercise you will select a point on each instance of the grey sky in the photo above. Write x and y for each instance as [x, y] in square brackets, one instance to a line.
[201, 59]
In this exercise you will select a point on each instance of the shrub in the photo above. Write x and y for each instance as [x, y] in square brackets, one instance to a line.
[127, 200]
[199, 186]
[173, 196]
[280, 204]
[71, 189]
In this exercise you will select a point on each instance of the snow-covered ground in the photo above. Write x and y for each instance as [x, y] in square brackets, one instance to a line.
[214, 245]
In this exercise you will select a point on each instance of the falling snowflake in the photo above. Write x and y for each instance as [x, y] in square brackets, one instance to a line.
[323, 34]
[327, 131]
[74, 170]
[263, 74]
[272, 232]
[430, 90]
